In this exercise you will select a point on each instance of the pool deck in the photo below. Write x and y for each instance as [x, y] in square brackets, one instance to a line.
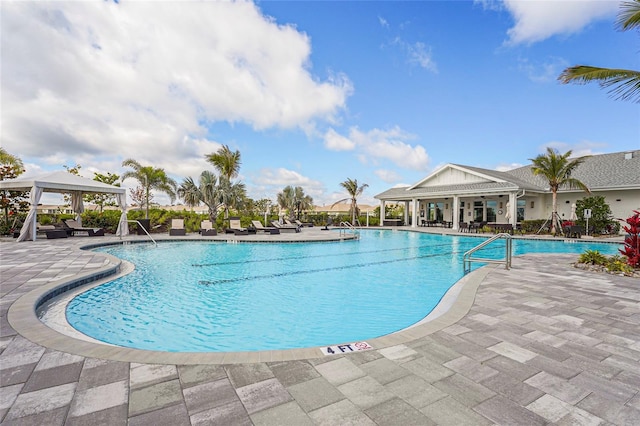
[542, 343]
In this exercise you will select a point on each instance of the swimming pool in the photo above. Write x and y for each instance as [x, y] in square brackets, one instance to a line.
[219, 297]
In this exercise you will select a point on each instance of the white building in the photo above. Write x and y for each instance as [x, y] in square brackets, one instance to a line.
[456, 193]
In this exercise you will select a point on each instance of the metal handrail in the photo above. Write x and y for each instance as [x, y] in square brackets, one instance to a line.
[145, 231]
[467, 259]
[344, 226]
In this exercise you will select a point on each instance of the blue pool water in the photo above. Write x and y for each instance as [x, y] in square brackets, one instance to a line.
[216, 297]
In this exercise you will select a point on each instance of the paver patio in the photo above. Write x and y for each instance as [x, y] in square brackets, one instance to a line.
[543, 343]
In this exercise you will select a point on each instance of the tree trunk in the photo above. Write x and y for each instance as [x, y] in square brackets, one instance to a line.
[554, 213]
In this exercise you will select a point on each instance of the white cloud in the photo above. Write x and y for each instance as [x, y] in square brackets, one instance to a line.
[336, 142]
[507, 167]
[417, 53]
[271, 181]
[383, 22]
[391, 145]
[377, 144]
[420, 54]
[537, 20]
[545, 72]
[578, 149]
[143, 79]
[388, 176]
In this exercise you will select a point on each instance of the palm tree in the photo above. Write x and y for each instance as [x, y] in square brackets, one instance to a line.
[354, 191]
[232, 195]
[7, 159]
[207, 191]
[286, 198]
[227, 163]
[150, 178]
[557, 170]
[625, 83]
[294, 200]
[301, 201]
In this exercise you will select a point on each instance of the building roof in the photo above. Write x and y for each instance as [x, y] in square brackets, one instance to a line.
[619, 170]
[342, 208]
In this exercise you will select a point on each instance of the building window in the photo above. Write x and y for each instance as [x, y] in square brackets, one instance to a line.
[520, 209]
[478, 211]
[491, 210]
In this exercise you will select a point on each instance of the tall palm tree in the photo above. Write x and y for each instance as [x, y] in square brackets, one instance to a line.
[150, 178]
[625, 83]
[557, 170]
[354, 191]
[206, 191]
[226, 162]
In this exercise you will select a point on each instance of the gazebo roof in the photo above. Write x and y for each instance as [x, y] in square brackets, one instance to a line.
[60, 182]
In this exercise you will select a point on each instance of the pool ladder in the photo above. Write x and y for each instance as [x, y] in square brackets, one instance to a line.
[467, 259]
[346, 226]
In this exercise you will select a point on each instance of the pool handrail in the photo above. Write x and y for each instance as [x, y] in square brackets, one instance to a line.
[345, 226]
[467, 259]
[144, 229]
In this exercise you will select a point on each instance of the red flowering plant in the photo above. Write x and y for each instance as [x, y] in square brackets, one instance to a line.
[631, 248]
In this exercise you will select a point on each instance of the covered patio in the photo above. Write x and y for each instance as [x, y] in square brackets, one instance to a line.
[456, 194]
[63, 182]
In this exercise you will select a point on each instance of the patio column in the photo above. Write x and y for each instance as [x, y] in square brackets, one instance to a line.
[456, 213]
[406, 213]
[513, 209]
[414, 213]
[382, 213]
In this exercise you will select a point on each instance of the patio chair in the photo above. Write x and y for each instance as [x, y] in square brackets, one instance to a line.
[463, 227]
[285, 228]
[72, 226]
[235, 227]
[207, 229]
[177, 227]
[303, 224]
[259, 227]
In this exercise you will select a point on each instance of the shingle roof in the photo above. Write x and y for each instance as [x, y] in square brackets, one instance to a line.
[605, 171]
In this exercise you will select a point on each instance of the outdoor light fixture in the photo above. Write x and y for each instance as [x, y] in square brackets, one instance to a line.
[532, 204]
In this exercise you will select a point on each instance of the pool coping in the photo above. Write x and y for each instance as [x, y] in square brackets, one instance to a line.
[455, 303]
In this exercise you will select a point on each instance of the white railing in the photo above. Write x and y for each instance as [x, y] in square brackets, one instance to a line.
[144, 229]
[467, 259]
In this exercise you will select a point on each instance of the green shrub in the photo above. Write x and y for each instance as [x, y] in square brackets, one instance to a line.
[619, 264]
[593, 257]
[532, 226]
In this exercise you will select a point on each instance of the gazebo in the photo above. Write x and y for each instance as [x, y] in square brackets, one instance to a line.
[63, 182]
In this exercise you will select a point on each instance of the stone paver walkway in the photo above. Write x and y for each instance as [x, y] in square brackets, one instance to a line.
[544, 343]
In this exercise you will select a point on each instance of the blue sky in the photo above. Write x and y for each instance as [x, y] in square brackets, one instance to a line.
[310, 93]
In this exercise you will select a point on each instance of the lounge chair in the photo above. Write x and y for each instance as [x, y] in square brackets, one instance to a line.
[72, 226]
[177, 227]
[207, 229]
[285, 228]
[259, 227]
[236, 228]
[302, 224]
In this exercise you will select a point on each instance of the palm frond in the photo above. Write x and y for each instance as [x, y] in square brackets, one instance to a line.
[629, 16]
[625, 83]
